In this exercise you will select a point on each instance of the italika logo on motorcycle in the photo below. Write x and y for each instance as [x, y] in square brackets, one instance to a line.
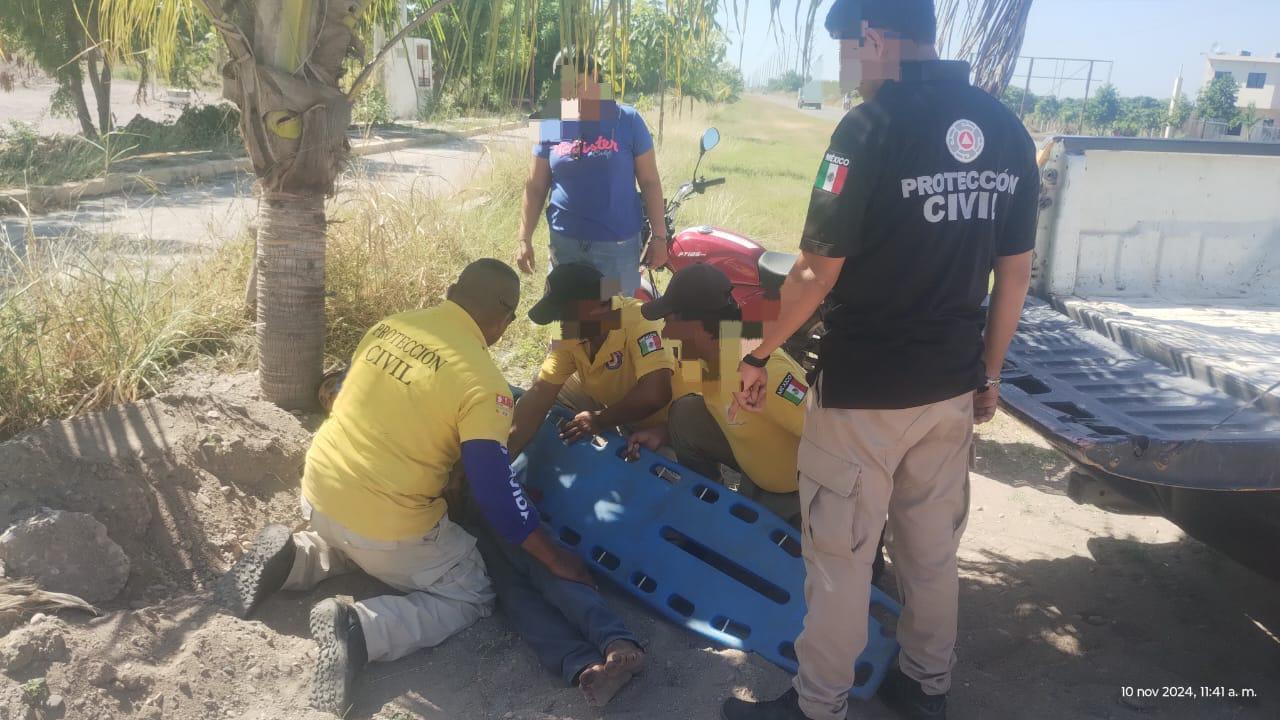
[578, 148]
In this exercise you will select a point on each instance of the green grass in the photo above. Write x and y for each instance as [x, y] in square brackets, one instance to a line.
[86, 328]
[768, 154]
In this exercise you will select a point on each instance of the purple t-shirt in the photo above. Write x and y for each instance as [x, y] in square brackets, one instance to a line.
[593, 173]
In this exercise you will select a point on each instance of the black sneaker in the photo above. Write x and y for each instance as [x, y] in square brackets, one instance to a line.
[261, 571]
[335, 627]
[905, 696]
[786, 707]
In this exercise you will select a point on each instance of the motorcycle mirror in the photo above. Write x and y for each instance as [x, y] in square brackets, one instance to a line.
[710, 139]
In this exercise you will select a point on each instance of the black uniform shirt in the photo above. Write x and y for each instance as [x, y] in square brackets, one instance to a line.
[921, 188]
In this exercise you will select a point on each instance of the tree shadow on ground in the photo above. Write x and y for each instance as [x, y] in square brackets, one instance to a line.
[1022, 464]
[1040, 638]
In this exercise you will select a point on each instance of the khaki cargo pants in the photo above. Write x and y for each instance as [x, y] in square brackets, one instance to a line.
[855, 466]
[441, 572]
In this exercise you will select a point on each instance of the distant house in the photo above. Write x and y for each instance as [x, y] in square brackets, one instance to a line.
[1259, 80]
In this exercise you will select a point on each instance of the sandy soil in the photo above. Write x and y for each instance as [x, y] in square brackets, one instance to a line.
[1062, 606]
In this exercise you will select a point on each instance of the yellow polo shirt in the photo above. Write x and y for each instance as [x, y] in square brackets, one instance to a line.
[764, 443]
[634, 350]
[421, 383]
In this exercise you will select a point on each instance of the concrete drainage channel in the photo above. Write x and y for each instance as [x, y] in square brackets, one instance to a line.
[40, 198]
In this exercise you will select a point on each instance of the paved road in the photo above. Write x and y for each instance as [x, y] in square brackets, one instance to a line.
[30, 104]
[828, 112]
[181, 219]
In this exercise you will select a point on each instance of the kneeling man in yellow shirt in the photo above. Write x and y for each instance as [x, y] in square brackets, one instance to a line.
[615, 355]
[707, 428]
[422, 393]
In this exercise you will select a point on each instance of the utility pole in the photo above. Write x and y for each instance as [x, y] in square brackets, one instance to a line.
[1022, 109]
[1088, 83]
[1173, 103]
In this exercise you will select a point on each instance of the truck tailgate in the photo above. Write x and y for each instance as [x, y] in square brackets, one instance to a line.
[1131, 417]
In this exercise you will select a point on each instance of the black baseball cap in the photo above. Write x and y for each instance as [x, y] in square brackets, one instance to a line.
[911, 19]
[567, 285]
[696, 291]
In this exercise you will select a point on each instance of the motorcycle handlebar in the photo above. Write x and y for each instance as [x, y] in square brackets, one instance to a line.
[704, 184]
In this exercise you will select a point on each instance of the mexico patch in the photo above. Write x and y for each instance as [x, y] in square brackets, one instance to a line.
[832, 173]
[650, 342]
[792, 390]
[505, 404]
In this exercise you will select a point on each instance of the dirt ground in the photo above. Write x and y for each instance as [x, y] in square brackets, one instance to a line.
[1063, 606]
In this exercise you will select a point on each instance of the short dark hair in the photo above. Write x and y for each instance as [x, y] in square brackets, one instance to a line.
[914, 20]
[582, 61]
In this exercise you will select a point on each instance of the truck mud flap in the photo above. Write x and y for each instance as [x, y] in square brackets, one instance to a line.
[1130, 417]
[691, 550]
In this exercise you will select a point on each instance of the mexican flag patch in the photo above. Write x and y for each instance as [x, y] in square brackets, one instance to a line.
[831, 175]
[650, 342]
[792, 390]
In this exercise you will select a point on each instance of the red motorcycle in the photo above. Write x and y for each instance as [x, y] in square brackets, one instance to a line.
[757, 274]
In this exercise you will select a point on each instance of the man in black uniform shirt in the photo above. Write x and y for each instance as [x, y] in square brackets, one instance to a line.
[927, 187]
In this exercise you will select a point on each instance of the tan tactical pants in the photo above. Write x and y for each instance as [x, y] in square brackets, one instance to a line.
[855, 466]
[441, 572]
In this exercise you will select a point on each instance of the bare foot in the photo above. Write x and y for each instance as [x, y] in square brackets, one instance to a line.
[624, 656]
[599, 684]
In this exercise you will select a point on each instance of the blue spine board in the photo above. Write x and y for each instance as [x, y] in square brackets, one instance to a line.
[697, 553]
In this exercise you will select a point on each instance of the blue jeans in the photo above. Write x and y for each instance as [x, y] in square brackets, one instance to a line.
[620, 260]
[567, 624]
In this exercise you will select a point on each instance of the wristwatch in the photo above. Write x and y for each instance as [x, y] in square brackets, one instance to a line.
[989, 383]
[754, 361]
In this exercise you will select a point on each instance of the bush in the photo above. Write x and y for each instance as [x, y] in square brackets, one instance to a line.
[371, 106]
[27, 158]
[86, 327]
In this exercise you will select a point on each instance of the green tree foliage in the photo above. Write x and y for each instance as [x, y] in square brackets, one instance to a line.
[1103, 109]
[1141, 116]
[1012, 99]
[789, 81]
[1248, 119]
[1217, 100]
[1180, 112]
[55, 37]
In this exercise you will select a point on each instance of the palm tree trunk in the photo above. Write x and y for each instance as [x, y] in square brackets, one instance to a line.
[290, 272]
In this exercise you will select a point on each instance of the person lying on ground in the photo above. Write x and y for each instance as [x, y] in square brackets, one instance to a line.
[568, 625]
[610, 365]
[421, 395]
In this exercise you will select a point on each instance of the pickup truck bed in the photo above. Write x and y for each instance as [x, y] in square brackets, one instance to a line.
[1206, 460]
[1130, 417]
[1231, 345]
[1151, 356]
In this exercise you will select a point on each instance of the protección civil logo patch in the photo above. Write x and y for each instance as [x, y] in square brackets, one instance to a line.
[965, 140]
[650, 342]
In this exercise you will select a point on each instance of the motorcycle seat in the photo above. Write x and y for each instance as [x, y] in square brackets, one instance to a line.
[774, 267]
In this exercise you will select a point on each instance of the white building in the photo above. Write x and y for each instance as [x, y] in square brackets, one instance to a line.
[1259, 79]
[407, 72]
[407, 77]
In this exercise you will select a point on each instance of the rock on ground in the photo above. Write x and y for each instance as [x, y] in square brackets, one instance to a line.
[67, 552]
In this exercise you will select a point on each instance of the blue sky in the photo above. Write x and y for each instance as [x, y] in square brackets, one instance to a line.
[1147, 39]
